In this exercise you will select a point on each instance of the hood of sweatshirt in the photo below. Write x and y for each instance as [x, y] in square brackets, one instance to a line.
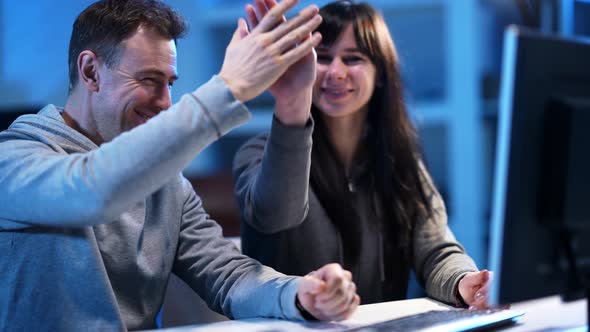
[49, 127]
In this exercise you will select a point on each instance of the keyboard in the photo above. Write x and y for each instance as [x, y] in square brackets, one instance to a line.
[446, 320]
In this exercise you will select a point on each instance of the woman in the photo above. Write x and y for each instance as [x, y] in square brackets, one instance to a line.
[349, 186]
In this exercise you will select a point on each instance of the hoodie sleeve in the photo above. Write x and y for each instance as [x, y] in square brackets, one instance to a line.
[231, 283]
[439, 260]
[40, 186]
[272, 178]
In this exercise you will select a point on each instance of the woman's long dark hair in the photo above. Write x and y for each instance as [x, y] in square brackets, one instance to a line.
[391, 143]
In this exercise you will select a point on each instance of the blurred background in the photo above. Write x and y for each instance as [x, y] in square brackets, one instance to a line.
[450, 50]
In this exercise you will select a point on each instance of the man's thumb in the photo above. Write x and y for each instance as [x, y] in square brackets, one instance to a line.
[241, 31]
[311, 285]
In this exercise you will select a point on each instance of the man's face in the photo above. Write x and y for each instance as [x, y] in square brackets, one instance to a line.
[138, 87]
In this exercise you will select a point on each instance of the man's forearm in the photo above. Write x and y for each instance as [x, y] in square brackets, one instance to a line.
[97, 186]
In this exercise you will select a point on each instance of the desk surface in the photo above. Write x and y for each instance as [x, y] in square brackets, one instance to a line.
[543, 314]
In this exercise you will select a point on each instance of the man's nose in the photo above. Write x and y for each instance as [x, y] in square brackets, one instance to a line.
[164, 100]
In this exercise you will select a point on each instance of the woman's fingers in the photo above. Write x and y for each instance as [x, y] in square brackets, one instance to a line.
[274, 16]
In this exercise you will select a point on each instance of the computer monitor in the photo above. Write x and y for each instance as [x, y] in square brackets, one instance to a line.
[540, 230]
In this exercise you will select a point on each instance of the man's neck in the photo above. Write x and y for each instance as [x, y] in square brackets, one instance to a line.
[76, 117]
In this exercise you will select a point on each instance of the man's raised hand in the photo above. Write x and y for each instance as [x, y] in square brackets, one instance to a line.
[254, 60]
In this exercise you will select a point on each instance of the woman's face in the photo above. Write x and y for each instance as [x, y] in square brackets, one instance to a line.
[345, 77]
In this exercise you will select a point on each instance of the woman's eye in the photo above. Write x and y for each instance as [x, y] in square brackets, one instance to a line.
[324, 59]
[353, 59]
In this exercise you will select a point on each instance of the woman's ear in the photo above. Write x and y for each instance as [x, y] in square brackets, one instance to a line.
[88, 70]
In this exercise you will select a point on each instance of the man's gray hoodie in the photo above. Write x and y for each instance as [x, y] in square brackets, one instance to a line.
[89, 235]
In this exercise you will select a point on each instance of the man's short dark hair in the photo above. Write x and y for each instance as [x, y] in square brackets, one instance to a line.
[102, 26]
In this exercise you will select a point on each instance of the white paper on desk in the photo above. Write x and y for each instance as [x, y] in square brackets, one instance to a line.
[264, 325]
[365, 315]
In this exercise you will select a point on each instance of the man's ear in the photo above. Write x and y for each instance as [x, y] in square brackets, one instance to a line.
[88, 70]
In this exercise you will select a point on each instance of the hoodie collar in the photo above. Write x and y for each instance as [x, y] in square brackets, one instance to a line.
[49, 123]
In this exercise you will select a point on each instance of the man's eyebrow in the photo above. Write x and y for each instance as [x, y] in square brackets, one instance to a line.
[156, 72]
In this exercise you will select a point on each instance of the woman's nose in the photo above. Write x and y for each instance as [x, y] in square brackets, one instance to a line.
[337, 69]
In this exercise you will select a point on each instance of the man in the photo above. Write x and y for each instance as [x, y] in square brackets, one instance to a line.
[94, 212]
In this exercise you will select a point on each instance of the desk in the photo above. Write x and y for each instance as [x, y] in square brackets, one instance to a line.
[540, 314]
[550, 312]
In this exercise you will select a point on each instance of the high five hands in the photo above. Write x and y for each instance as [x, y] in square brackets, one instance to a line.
[255, 59]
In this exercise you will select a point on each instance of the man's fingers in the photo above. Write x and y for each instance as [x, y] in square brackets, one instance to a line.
[334, 287]
[331, 271]
[243, 27]
[241, 31]
[347, 311]
[353, 306]
[265, 6]
[339, 292]
[297, 36]
[348, 275]
[296, 53]
[342, 312]
[261, 9]
[337, 299]
[312, 285]
[270, 3]
[337, 288]
[275, 15]
[297, 28]
[251, 17]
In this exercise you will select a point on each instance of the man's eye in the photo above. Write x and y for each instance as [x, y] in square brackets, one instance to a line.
[148, 80]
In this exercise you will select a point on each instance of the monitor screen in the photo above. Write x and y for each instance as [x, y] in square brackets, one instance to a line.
[540, 229]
